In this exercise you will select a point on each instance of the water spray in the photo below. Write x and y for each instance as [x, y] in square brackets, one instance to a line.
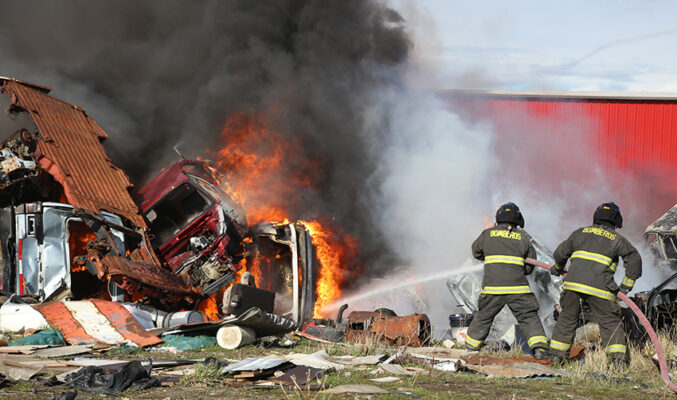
[384, 289]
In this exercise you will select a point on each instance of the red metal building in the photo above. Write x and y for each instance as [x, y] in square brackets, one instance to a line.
[634, 136]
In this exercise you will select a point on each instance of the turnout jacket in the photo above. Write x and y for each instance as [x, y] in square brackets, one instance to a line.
[594, 252]
[503, 249]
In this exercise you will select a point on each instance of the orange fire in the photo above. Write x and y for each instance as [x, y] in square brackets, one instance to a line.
[210, 305]
[333, 252]
[79, 235]
[266, 175]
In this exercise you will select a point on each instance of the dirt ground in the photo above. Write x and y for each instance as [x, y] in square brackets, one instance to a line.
[637, 382]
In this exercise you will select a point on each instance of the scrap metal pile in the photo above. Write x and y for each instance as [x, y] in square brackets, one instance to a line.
[70, 228]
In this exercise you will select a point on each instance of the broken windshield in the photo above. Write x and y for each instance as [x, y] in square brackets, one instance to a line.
[670, 247]
[174, 212]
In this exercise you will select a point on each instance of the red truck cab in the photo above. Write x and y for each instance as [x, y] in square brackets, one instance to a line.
[196, 228]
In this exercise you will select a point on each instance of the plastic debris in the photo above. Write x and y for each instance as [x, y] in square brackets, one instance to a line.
[183, 342]
[96, 379]
[50, 337]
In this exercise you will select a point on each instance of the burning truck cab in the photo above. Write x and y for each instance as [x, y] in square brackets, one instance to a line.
[195, 227]
[203, 236]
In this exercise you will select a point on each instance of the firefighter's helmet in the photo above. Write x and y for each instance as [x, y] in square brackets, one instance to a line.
[509, 213]
[608, 212]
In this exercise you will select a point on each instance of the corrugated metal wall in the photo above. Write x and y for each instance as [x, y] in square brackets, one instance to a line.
[634, 135]
[634, 140]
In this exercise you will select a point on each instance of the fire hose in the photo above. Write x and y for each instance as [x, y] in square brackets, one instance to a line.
[662, 363]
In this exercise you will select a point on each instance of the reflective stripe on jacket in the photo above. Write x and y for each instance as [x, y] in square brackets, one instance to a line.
[594, 252]
[503, 248]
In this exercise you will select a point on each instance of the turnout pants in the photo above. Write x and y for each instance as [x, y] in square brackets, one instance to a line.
[524, 307]
[606, 313]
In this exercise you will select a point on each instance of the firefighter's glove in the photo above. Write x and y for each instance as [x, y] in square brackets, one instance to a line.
[554, 271]
[624, 289]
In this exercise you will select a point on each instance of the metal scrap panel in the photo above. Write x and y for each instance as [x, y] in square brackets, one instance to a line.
[148, 274]
[71, 151]
[95, 321]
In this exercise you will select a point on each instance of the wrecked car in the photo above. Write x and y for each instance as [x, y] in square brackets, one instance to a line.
[661, 238]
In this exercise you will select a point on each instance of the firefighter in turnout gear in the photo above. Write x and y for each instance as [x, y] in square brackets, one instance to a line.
[503, 249]
[594, 252]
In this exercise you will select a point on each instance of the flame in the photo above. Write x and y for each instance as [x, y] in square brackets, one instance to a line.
[79, 235]
[487, 222]
[267, 174]
[334, 252]
[210, 305]
[257, 163]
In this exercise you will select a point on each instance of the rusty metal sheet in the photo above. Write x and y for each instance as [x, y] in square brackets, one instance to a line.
[410, 330]
[70, 150]
[58, 317]
[95, 321]
[147, 274]
[125, 324]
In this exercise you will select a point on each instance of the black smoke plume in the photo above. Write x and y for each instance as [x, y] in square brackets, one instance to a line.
[159, 74]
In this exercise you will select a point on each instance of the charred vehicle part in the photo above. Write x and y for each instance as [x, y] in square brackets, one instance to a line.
[203, 236]
[410, 330]
[660, 307]
[283, 255]
[196, 228]
[661, 239]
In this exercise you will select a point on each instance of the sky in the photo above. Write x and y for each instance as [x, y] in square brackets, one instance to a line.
[609, 46]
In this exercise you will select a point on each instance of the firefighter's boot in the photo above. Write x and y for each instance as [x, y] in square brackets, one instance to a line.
[556, 360]
[540, 354]
[619, 364]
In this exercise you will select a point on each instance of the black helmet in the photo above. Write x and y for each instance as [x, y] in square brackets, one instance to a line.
[608, 212]
[510, 213]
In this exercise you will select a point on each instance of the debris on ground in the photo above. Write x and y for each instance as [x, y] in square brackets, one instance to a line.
[177, 343]
[47, 337]
[517, 370]
[96, 379]
[358, 389]
[410, 330]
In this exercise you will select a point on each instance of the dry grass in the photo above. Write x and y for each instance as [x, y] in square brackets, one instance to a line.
[595, 369]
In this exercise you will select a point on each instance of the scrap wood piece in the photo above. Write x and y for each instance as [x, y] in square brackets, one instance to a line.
[299, 375]
[21, 373]
[517, 370]
[255, 368]
[320, 359]
[23, 349]
[361, 389]
[487, 360]
[93, 321]
[62, 351]
[386, 379]
[438, 353]
[395, 369]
